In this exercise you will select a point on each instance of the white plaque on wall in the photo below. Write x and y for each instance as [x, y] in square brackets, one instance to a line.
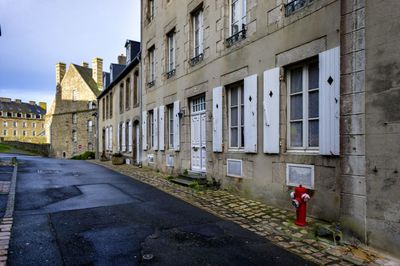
[300, 174]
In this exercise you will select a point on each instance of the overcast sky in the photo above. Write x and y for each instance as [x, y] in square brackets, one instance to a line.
[36, 34]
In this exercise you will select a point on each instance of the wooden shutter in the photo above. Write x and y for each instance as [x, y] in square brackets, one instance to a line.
[250, 114]
[155, 128]
[271, 111]
[144, 130]
[217, 119]
[329, 101]
[176, 126]
[161, 127]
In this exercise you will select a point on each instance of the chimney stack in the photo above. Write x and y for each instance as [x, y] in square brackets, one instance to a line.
[122, 59]
[18, 100]
[97, 65]
[85, 64]
[60, 72]
[43, 105]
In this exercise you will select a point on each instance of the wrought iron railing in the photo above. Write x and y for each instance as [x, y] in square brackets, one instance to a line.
[295, 5]
[150, 84]
[240, 35]
[195, 60]
[171, 73]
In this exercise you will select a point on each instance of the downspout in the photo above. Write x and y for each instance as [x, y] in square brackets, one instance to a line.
[140, 87]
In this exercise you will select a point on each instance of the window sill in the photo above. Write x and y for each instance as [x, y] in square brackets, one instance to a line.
[303, 152]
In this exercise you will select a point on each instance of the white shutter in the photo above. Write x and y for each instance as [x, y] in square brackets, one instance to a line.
[201, 26]
[130, 136]
[110, 139]
[106, 139]
[271, 111]
[161, 143]
[177, 143]
[155, 128]
[144, 131]
[118, 139]
[250, 114]
[217, 119]
[329, 101]
[123, 136]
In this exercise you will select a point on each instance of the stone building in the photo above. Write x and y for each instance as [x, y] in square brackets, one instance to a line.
[24, 122]
[119, 107]
[266, 95]
[72, 123]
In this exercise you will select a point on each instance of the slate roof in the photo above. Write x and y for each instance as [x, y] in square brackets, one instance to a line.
[115, 70]
[86, 74]
[25, 108]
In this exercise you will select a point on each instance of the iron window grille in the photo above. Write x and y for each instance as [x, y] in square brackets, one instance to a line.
[238, 36]
[295, 5]
[150, 84]
[197, 59]
[170, 74]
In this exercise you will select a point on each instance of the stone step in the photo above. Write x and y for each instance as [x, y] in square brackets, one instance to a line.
[195, 175]
[182, 181]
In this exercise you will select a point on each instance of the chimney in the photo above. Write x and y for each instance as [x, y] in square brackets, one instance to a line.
[97, 65]
[85, 64]
[32, 102]
[43, 105]
[60, 72]
[18, 100]
[6, 100]
[122, 59]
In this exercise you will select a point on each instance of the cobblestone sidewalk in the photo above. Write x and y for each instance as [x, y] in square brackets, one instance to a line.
[272, 223]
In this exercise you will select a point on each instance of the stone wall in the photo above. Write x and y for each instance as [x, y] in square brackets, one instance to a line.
[42, 149]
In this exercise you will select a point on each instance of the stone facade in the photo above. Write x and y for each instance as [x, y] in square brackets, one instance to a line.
[119, 109]
[23, 122]
[72, 123]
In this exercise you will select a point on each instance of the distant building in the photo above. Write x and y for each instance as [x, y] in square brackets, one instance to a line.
[119, 107]
[72, 122]
[21, 121]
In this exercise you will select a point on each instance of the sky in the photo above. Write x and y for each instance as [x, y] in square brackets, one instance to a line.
[36, 34]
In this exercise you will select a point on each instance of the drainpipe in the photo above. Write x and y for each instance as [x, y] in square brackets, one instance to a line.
[140, 86]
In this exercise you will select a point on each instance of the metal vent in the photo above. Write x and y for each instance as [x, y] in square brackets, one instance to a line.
[170, 160]
[234, 167]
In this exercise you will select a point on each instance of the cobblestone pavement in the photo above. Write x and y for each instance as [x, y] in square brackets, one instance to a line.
[270, 222]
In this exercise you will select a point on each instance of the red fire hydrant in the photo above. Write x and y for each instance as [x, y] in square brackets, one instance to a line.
[299, 200]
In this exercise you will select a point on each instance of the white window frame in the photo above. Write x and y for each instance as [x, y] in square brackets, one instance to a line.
[240, 87]
[171, 50]
[151, 10]
[242, 10]
[198, 42]
[171, 127]
[305, 102]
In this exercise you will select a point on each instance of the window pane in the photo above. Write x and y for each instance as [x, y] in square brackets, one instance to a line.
[242, 115]
[296, 134]
[242, 137]
[234, 116]
[234, 97]
[296, 80]
[313, 133]
[313, 104]
[234, 137]
[313, 76]
[296, 107]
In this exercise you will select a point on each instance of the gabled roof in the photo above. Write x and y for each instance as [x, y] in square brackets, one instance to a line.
[25, 108]
[86, 74]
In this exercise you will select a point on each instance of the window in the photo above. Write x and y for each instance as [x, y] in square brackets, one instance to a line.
[295, 5]
[24, 124]
[33, 124]
[135, 88]
[111, 104]
[150, 10]
[38, 116]
[236, 116]
[91, 105]
[33, 133]
[74, 136]
[15, 133]
[151, 127]
[5, 124]
[5, 132]
[303, 107]
[127, 94]
[237, 28]
[121, 97]
[19, 115]
[151, 71]
[197, 24]
[90, 126]
[24, 133]
[42, 125]
[74, 118]
[171, 54]
[74, 95]
[171, 126]
[15, 124]
[104, 108]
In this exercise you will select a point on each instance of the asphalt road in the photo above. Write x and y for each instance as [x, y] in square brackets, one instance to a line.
[77, 213]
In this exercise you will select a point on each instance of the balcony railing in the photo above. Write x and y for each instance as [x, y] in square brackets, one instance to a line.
[195, 60]
[150, 84]
[240, 35]
[171, 73]
[295, 5]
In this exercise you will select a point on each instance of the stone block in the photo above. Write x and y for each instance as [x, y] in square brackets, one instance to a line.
[353, 165]
[353, 185]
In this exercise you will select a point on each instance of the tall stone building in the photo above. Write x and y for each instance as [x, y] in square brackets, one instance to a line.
[72, 122]
[24, 122]
[267, 95]
[119, 107]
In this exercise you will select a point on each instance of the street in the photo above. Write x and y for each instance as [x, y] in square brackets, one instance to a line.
[78, 213]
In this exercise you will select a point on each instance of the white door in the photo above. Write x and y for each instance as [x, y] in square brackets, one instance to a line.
[198, 134]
